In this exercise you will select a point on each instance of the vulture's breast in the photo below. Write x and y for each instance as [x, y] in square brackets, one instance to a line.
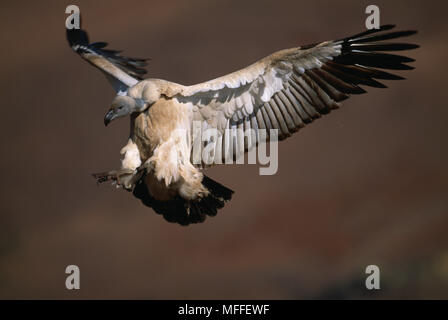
[158, 123]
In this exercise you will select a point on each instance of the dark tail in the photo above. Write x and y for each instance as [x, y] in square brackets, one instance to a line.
[184, 212]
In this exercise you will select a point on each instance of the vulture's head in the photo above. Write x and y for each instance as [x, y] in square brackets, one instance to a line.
[122, 106]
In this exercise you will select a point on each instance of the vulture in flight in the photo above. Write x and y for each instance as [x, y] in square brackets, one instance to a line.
[284, 91]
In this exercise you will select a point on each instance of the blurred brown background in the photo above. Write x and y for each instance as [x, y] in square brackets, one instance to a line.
[366, 185]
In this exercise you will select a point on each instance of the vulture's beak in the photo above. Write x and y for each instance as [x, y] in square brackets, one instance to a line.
[110, 115]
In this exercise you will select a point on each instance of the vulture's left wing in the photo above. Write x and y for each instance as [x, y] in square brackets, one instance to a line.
[122, 72]
[291, 88]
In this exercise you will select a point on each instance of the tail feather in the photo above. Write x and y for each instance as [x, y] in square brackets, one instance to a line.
[184, 212]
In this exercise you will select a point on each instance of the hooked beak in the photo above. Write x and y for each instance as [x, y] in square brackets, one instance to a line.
[109, 117]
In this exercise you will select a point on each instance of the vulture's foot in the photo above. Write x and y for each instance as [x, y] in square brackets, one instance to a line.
[122, 178]
[103, 176]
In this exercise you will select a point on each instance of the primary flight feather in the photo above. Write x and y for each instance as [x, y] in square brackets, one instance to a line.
[284, 91]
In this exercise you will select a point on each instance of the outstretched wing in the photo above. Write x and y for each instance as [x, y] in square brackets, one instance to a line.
[122, 72]
[291, 88]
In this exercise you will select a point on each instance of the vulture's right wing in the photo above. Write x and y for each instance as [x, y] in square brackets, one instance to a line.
[122, 72]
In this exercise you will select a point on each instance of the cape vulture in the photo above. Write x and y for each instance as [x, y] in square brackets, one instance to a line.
[284, 91]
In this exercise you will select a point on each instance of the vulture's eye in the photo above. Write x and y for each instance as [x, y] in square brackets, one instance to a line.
[120, 108]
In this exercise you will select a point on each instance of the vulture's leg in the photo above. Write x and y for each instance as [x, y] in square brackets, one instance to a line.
[129, 172]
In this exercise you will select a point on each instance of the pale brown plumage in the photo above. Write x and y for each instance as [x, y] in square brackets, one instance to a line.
[284, 91]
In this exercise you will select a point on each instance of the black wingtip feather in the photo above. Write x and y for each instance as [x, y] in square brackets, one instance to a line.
[78, 40]
[384, 46]
[77, 37]
[361, 58]
[382, 37]
[371, 31]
